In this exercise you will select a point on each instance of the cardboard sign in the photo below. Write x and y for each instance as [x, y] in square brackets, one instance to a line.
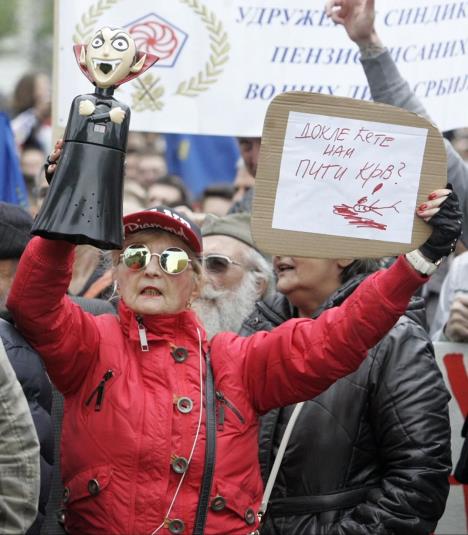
[341, 178]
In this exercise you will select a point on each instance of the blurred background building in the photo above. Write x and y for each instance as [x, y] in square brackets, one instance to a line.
[26, 40]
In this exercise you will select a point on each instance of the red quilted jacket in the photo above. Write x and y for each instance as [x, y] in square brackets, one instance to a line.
[131, 416]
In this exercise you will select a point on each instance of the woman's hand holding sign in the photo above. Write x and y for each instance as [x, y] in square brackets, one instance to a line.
[442, 212]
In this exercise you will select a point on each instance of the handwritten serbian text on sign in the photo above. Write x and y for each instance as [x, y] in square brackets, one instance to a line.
[348, 177]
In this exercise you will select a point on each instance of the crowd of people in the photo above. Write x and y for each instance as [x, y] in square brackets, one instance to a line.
[191, 383]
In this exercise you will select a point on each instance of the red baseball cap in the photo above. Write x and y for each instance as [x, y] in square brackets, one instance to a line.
[164, 218]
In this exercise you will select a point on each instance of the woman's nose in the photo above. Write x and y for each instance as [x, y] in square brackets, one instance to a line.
[153, 268]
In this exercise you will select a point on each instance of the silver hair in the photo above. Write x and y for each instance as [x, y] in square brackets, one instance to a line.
[222, 310]
[262, 270]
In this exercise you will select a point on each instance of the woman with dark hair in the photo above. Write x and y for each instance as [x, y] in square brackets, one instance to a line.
[142, 412]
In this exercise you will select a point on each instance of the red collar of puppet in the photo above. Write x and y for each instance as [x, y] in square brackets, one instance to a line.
[150, 60]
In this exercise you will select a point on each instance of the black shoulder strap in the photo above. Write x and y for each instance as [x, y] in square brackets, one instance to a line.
[210, 451]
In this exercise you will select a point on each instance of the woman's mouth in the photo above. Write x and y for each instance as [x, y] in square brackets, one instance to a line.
[150, 292]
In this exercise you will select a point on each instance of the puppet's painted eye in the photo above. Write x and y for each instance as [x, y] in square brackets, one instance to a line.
[97, 42]
[120, 44]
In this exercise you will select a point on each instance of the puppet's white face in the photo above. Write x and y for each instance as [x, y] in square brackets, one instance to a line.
[110, 56]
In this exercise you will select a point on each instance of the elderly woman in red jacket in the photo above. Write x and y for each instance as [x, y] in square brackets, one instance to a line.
[138, 426]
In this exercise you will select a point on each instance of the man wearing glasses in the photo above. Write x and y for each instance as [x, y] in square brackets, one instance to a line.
[237, 275]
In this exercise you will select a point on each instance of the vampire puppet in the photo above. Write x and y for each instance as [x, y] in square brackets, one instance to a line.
[84, 201]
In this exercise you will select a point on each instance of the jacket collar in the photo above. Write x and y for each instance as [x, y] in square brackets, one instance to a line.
[168, 327]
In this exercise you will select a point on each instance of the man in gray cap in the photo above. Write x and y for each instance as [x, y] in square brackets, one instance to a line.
[237, 275]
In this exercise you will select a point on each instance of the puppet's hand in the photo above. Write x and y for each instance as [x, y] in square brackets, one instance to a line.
[86, 107]
[117, 115]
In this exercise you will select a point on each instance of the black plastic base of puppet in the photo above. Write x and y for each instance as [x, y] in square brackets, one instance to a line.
[84, 201]
[78, 239]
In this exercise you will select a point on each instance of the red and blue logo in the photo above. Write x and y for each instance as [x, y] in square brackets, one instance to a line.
[155, 35]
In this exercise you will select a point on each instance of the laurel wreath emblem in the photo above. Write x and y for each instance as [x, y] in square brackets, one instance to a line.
[149, 92]
[148, 95]
[85, 28]
[219, 46]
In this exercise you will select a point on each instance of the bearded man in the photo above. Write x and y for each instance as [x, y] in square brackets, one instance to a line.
[237, 275]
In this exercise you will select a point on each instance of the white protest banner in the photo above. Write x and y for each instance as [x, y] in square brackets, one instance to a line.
[452, 360]
[333, 181]
[339, 167]
[222, 61]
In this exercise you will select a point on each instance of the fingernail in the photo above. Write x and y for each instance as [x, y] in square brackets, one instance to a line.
[422, 207]
[432, 196]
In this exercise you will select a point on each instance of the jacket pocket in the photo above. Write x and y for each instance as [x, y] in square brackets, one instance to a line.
[232, 500]
[96, 395]
[88, 499]
[223, 405]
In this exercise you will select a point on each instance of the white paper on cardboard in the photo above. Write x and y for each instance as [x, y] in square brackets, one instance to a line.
[349, 177]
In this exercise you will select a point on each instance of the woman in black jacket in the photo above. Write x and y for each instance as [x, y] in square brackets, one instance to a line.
[371, 455]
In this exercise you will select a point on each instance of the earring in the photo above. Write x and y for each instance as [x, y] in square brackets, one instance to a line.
[188, 305]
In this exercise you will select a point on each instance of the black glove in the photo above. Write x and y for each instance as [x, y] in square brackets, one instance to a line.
[446, 229]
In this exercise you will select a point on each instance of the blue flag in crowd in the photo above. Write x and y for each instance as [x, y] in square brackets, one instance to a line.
[12, 186]
[201, 160]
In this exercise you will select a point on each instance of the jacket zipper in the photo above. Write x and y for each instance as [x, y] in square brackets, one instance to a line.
[99, 391]
[142, 334]
[224, 402]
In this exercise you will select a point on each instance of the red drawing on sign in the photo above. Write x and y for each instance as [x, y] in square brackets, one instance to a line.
[354, 217]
